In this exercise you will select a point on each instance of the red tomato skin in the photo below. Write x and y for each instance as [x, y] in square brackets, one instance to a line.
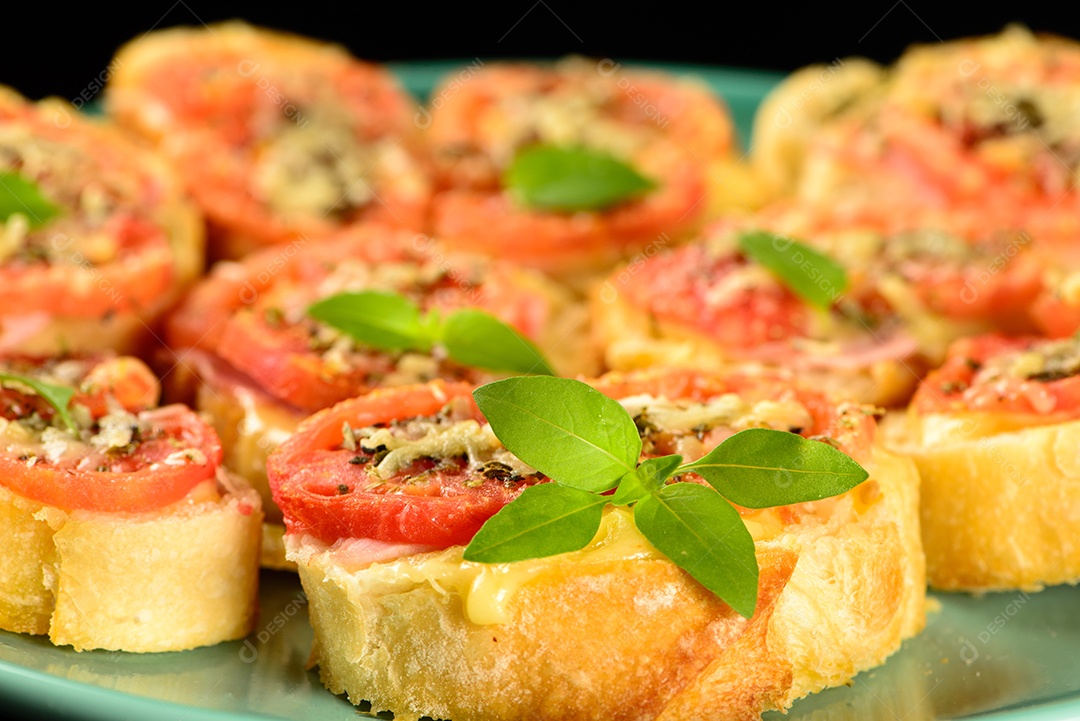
[321, 494]
[953, 388]
[137, 487]
[308, 492]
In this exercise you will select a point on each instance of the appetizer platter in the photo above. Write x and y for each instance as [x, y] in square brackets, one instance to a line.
[565, 389]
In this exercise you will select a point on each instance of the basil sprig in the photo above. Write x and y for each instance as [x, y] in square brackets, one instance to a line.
[20, 195]
[392, 322]
[588, 445]
[569, 179]
[59, 397]
[808, 273]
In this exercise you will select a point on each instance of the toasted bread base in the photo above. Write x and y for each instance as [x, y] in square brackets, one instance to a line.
[630, 638]
[174, 579]
[1000, 504]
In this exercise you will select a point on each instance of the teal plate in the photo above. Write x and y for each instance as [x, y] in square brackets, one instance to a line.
[1008, 657]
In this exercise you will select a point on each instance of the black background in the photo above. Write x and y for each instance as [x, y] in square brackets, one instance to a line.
[53, 50]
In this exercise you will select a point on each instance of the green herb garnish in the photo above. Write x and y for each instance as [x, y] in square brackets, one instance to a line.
[59, 397]
[587, 444]
[392, 322]
[808, 273]
[20, 195]
[548, 177]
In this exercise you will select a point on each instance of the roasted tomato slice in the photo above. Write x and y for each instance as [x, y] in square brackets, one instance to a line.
[332, 491]
[996, 374]
[338, 476]
[109, 247]
[277, 137]
[123, 456]
[253, 315]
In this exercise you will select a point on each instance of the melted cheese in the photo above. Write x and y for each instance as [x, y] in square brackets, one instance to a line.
[728, 410]
[465, 438]
[487, 590]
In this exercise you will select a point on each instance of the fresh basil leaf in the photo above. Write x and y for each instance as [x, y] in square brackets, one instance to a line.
[387, 321]
[563, 428]
[703, 534]
[59, 397]
[571, 179]
[649, 476]
[475, 338]
[657, 470]
[631, 489]
[545, 520]
[761, 468]
[21, 195]
[808, 273]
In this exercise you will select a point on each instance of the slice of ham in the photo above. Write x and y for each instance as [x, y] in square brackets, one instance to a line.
[362, 552]
[17, 329]
[852, 356]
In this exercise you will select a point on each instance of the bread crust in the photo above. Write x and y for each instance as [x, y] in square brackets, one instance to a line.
[632, 638]
[168, 580]
[1000, 498]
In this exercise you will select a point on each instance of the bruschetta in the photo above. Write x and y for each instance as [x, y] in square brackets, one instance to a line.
[672, 131]
[122, 529]
[904, 295]
[97, 237]
[263, 364]
[982, 126]
[615, 630]
[277, 136]
[994, 434]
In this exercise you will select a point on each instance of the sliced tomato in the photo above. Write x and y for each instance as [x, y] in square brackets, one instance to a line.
[281, 361]
[143, 479]
[323, 492]
[671, 131]
[135, 279]
[478, 115]
[110, 249]
[222, 101]
[962, 385]
[252, 314]
[100, 381]
[173, 451]
[327, 491]
[492, 224]
[686, 287]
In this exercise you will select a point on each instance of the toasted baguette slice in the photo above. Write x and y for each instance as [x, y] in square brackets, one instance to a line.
[616, 631]
[173, 579]
[994, 433]
[1000, 501]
